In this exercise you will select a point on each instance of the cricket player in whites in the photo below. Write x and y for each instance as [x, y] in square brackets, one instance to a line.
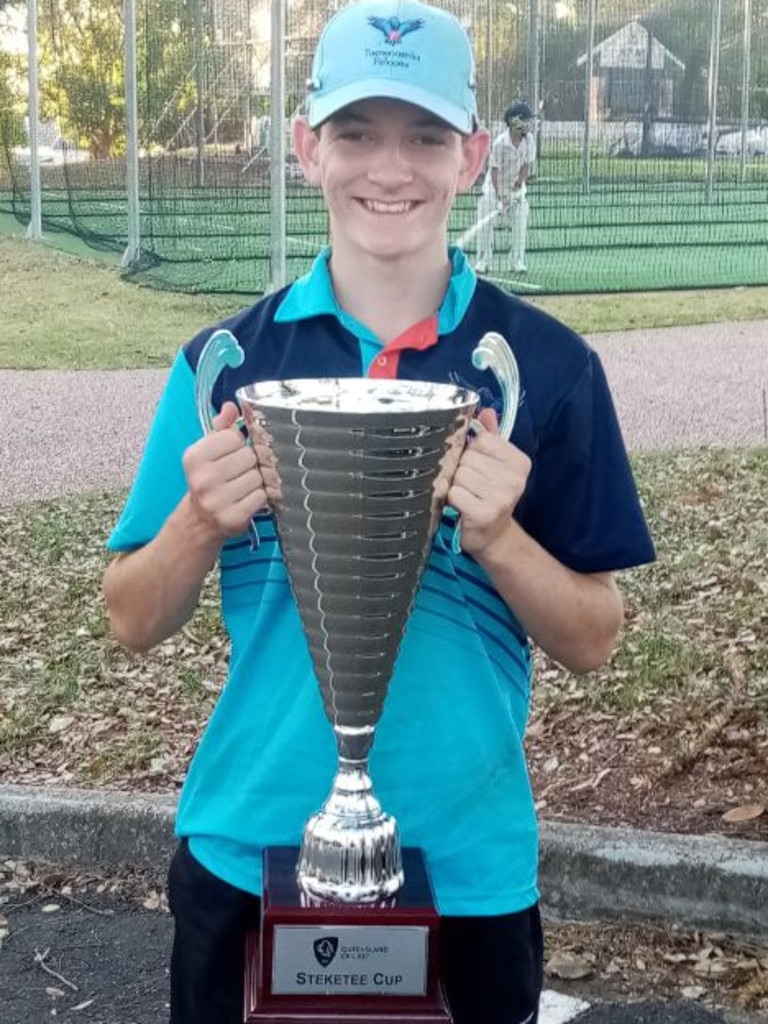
[509, 166]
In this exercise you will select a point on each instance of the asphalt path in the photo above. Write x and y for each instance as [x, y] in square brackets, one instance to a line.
[68, 432]
[103, 960]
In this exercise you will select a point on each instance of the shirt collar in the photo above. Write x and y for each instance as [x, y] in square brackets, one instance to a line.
[313, 295]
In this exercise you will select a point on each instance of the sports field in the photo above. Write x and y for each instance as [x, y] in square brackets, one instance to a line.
[639, 226]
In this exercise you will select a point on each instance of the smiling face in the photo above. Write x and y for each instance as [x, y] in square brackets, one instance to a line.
[389, 172]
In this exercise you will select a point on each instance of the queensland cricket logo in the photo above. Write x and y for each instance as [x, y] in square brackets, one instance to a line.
[393, 29]
[325, 949]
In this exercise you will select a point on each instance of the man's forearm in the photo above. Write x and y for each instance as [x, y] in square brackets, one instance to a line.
[574, 617]
[153, 591]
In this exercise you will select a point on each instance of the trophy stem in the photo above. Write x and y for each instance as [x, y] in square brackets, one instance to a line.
[351, 848]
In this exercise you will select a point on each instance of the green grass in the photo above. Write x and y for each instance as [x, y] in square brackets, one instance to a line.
[60, 312]
[590, 314]
[567, 164]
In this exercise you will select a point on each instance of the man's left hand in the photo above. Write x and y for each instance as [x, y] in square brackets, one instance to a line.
[489, 482]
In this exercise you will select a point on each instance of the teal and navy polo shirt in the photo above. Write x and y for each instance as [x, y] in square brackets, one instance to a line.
[448, 757]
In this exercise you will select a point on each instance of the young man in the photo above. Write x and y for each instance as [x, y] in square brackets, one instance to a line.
[504, 190]
[390, 137]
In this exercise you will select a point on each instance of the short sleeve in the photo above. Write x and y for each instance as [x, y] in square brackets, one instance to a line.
[581, 502]
[160, 483]
[495, 158]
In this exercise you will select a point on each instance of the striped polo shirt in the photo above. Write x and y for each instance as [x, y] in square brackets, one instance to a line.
[447, 759]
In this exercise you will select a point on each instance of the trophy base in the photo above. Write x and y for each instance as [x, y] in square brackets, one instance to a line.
[324, 962]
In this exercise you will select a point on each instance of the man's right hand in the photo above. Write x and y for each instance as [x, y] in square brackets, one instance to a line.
[229, 481]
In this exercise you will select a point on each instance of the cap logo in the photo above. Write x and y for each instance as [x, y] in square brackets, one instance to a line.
[393, 29]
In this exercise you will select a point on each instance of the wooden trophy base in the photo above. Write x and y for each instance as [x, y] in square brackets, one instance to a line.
[322, 962]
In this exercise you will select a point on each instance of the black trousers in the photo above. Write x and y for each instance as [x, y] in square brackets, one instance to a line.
[491, 966]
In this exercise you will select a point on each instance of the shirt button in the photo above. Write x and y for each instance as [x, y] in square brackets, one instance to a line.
[382, 360]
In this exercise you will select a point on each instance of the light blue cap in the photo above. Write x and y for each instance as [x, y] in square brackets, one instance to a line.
[395, 49]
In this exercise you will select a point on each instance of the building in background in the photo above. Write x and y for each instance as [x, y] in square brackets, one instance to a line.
[635, 75]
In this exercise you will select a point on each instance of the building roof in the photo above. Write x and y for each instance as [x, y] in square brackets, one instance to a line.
[628, 48]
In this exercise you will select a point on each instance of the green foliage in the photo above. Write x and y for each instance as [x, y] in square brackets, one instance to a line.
[168, 89]
[81, 72]
[11, 103]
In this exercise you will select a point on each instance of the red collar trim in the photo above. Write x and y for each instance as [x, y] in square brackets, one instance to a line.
[420, 336]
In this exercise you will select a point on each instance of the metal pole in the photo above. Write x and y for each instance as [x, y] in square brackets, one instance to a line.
[648, 111]
[199, 109]
[35, 227]
[745, 77]
[488, 61]
[534, 54]
[591, 18]
[133, 251]
[714, 81]
[277, 225]
[248, 75]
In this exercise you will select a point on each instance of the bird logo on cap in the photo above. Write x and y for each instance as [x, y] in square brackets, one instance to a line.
[393, 29]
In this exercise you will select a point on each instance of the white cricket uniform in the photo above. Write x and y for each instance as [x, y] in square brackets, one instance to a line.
[507, 159]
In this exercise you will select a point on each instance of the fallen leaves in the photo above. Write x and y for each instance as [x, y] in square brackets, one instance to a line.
[692, 991]
[74, 707]
[23, 885]
[59, 723]
[673, 734]
[567, 965]
[622, 959]
[747, 812]
[155, 900]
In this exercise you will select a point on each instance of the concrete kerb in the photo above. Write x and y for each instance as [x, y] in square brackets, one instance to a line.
[708, 883]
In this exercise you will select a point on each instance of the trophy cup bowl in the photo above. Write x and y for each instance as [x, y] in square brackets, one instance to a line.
[365, 467]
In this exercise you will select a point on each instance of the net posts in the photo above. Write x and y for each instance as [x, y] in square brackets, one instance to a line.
[590, 72]
[714, 83]
[533, 69]
[35, 227]
[745, 77]
[132, 253]
[277, 225]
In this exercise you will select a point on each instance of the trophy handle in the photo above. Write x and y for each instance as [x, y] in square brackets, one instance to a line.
[493, 353]
[222, 349]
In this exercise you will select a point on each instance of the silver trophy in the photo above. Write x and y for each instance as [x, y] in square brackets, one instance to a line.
[365, 467]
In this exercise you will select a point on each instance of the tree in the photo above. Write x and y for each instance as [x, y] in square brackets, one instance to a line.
[167, 82]
[81, 73]
[11, 103]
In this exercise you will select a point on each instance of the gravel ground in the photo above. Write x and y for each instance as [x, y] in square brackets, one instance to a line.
[68, 432]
